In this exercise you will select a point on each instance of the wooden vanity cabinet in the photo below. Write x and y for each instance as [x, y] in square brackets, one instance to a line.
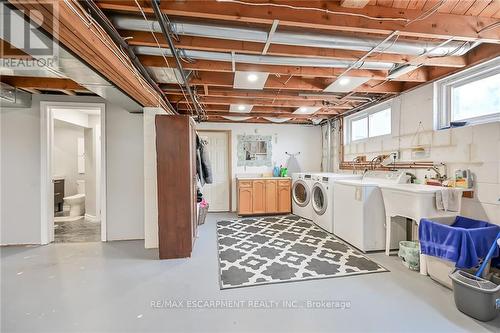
[264, 196]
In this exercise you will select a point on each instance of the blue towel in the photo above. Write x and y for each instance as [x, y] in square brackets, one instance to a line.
[464, 242]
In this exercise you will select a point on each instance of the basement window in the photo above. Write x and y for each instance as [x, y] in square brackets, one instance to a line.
[368, 124]
[472, 96]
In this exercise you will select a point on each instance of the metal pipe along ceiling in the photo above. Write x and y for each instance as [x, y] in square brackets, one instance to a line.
[299, 39]
[264, 60]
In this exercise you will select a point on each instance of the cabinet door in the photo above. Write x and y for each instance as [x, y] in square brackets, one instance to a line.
[271, 196]
[259, 196]
[284, 199]
[244, 200]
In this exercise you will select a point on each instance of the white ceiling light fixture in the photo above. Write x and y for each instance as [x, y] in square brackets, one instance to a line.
[344, 81]
[236, 118]
[277, 120]
[307, 109]
[250, 80]
[346, 84]
[252, 77]
[241, 108]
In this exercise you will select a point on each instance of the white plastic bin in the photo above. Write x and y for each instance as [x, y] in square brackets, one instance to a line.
[439, 269]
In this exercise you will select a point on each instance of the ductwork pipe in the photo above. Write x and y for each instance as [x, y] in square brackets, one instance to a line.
[264, 60]
[300, 39]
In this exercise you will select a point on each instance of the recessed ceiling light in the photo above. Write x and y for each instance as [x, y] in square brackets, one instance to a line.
[343, 81]
[240, 108]
[346, 84]
[250, 80]
[252, 77]
[307, 109]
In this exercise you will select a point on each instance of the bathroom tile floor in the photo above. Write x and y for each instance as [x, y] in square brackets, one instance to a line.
[81, 230]
[122, 287]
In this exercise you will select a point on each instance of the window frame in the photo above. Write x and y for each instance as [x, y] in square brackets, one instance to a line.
[444, 94]
[366, 114]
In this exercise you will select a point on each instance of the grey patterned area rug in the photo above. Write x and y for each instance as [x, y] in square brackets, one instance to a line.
[275, 249]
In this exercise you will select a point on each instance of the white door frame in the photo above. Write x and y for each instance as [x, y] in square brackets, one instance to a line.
[47, 156]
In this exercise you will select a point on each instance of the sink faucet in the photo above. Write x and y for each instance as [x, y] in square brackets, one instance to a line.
[413, 178]
[438, 174]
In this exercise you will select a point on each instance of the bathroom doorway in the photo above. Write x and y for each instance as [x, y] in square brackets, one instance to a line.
[73, 172]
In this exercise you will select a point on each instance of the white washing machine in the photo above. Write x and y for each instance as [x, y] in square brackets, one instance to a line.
[360, 213]
[322, 198]
[301, 194]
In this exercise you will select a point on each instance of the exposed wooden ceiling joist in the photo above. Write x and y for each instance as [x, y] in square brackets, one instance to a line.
[439, 25]
[41, 83]
[142, 38]
[295, 83]
[93, 45]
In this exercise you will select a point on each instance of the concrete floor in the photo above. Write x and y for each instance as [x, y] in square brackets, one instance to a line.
[109, 287]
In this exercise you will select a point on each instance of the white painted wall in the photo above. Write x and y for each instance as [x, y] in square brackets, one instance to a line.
[66, 136]
[150, 178]
[473, 147]
[286, 138]
[20, 172]
[20, 176]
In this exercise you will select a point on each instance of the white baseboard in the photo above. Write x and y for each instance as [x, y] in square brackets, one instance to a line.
[91, 218]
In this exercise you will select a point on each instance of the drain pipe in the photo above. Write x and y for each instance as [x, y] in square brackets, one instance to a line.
[98, 15]
[329, 147]
[165, 28]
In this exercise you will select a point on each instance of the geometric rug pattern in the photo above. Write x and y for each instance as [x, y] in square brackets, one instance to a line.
[276, 249]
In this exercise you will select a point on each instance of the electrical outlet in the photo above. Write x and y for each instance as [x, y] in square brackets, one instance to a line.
[394, 155]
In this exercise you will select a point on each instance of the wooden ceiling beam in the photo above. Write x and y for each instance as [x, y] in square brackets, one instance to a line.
[262, 102]
[143, 38]
[26, 82]
[7, 51]
[92, 45]
[263, 114]
[257, 94]
[438, 25]
[294, 83]
[226, 66]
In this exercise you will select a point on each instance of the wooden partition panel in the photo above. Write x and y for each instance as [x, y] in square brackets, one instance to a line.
[175, 147]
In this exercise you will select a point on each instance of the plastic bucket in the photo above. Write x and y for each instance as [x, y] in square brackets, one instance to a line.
[475, 296]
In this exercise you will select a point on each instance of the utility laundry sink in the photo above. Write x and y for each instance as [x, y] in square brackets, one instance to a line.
[413, 201]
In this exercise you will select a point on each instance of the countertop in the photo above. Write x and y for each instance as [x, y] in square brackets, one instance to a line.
[254, 178]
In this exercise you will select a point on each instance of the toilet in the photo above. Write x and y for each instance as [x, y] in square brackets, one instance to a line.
[77, 202]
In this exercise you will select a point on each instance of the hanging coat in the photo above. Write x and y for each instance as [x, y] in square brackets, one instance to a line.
[203, 166]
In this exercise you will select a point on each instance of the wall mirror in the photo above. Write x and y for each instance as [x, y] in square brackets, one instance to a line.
[254, 150]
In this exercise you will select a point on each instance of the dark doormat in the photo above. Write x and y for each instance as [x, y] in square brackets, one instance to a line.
[276, 249]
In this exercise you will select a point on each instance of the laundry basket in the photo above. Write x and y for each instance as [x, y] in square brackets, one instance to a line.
[409, 252]
[202, 212]
[475, 296]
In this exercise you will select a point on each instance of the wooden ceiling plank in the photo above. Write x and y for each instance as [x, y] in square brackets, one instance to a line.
[401, 4]
[491, 9]
[439, 25]
[478, 7]
[462, 7]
